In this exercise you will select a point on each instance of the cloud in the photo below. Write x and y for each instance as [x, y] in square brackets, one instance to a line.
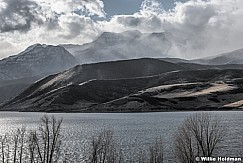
[7, 48]
[18, 15]
[151, 6]
[198, 28]
[26, 22]
[206, 28]
[80, 7]
[75, 25]
[72, 20]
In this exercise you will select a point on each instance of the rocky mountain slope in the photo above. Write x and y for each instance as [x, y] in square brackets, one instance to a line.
[133, 44]
[9, 91]
[19, 71]
[36, 60]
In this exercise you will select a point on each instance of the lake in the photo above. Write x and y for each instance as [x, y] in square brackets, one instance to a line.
[132, 130]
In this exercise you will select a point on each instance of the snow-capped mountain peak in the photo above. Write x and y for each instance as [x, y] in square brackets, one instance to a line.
[36, 60]
[126, 45]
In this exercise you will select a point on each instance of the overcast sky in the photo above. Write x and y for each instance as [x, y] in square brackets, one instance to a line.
[203, 27]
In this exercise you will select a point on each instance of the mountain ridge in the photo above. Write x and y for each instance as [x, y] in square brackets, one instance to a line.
[120, 46]
[36, 60]
[94, 94]
[231, 57]
[82, 74]
[102, 58]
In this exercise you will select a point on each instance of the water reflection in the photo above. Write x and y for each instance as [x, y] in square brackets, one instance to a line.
[132, 130]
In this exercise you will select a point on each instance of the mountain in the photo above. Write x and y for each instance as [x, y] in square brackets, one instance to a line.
[19, 71]
[6, 92]
[119, 46]
[230, 58]
[208, 89]
[132, 85]
[177, 90]
[36, 60]
[201, 66]
[10, 88]
[75, 78]
[134, 44]
[175, 60]
[233, 57]
[217, 95]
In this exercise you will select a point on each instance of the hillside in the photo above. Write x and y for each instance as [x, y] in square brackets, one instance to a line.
[82, 74]
[37, 61]
[177, 90]
[11, 88]
[9, 91]
[233, 57]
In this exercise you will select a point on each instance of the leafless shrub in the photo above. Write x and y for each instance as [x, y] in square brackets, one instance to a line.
[104, 149]
[199, 135]
[156, 151]
[239, 145]
[152, 154]
[19, 142]
[41, 145]
[12, 146]
[45, 143]
[5, 152]
[141, 156]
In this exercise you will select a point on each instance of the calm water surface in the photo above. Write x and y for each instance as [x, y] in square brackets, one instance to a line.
[132, 130]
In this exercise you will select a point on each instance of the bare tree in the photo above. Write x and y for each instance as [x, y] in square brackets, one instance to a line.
[151, 154]
[45, 143]
[199, 135]
[141, 157]
[104, 149]
[156, 151]
[18, 145]
[4, 148]
[42, 145]
[239, 145]
[32, 147]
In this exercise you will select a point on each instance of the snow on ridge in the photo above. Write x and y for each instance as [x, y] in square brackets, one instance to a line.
[215, 87]
[83, 83]
[161, 91]
[235, 104]
[54, 90]
[59, 78]
[165, 87]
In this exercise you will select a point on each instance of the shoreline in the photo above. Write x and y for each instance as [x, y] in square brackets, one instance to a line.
[125, 111]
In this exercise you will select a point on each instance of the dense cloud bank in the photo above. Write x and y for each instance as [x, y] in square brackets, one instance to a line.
[198, 27]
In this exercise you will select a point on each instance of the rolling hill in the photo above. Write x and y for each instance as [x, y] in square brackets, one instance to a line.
[82, 74]
[175, 90]
[233, 57]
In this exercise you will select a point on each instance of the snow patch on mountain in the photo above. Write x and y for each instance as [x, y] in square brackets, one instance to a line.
[119, 46]
[83, 83]
[36, 60]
